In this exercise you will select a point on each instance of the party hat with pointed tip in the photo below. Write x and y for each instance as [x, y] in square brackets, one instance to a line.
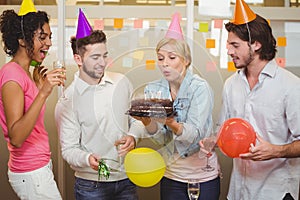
[242, 13]
[84, 29]
[27, 6]
[174, 30]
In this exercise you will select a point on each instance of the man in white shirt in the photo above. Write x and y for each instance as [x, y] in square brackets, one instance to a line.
[92, 123]
[267, 96]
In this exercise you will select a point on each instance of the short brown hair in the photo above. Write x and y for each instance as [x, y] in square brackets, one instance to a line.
[261, 32]
[78, 45]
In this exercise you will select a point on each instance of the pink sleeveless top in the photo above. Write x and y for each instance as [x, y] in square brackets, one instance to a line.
[35, 151]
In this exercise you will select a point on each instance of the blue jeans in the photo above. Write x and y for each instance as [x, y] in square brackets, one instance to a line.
[89, 190]
[170, 190]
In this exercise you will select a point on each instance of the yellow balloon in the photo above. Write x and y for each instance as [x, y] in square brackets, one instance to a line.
[144, 166]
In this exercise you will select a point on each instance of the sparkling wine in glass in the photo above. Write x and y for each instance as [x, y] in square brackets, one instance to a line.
[208, 145]
[193, 189]
[60, 64]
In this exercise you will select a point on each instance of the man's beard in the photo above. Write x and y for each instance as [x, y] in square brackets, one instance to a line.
[248, 60]
[91, 74]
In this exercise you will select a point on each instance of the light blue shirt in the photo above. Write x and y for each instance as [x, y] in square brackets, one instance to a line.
[272, 107]
[193, 104]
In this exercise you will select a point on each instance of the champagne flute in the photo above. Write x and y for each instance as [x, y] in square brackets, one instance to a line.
[208, 145]
[193, 189]
[57, 65]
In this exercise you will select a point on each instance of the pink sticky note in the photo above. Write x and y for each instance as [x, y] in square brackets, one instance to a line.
[211, 66]
[280, 62]
[138, 23]
[99, 24]
[109, 62]
[218, 23]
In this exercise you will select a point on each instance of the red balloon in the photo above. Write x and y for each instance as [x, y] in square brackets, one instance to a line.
[235, 137]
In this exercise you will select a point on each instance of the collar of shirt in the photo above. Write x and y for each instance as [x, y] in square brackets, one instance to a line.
[269, 70]
[82, 86]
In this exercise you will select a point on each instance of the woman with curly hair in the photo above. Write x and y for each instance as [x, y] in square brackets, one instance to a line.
[27, 38]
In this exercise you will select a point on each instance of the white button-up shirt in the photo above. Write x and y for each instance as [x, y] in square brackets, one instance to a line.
[92, 119]
[273, 108]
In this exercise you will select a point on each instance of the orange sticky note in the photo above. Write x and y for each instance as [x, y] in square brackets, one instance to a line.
[281, 41]
[269, 22]
[280, 62]
[211, 66]
[218, 23]
[138, 23]
[203, 27]
[99, 24]
[150, 64]
[231, 67]
[210, 43]
[118, 23]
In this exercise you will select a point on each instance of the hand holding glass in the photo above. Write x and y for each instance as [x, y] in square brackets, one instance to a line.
[193, 189]
[57, 65]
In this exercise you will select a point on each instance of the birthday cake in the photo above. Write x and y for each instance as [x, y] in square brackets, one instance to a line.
[151, 107]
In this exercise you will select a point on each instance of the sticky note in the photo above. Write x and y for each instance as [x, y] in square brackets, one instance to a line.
[162, 24]
[210, 43]
[211, 66]
[123, 41]
[109, 62]
[139, 55]
[231, 67]
[280, 62]
[150, 64]
[99, 24]
[127, 62]
[281, 41]
[144, 41]
[118, 23]
[203, 27]
[218, 23]
[138, 23]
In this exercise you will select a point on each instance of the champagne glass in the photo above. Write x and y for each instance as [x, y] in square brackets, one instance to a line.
[56, 65]
[208, 145]
[193, 189]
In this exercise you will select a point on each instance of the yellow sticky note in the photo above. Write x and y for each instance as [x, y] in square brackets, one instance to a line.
[144, 41]
[281, 41]
[139, 55]
[138, 23]
[218, 23]
[99, 24]
[231, 67]
[150, 64]
[210, 43]
[203, 27]
[280, 62]
[118, 23]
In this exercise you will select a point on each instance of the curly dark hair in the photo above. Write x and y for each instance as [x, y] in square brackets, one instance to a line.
[78, 45]
[11, 26]
[261, 32]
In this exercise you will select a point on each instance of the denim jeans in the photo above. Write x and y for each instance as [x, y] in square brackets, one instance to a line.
[89, 190]
[170, 190]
